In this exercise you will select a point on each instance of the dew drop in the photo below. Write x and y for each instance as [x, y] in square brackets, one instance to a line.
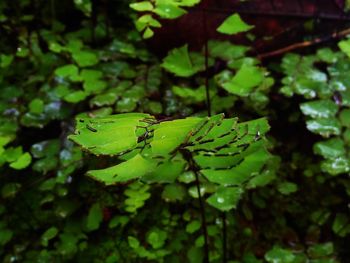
[220, 200]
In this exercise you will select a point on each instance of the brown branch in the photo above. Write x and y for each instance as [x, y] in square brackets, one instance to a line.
[282, 13]
[304, 44]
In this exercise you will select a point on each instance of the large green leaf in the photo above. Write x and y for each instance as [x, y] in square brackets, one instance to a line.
[227, 153]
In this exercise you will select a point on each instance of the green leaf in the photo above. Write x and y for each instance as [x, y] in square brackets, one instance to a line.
[226, 50]
[156, 238]
[324, 127]
[22, 162]
[142, 6]
[173, 193]
[134, 168]
[137, 193]
[336, 166]
[244, 81]
[5, 236]
[10, 190]
[133, 242]
[193, 226]
[332, 148]
[239, 173]
[187, 2]
[74, 45]
[146, 21]
[90, 74]
[287, 188]
[233, 25]
[76, 96]
[190, 95]
[180, 63]
[344, 46]
[69, 70]
[36, 106]
[199, 242]
[5, 60]
[225, 198]
[169, 11]
[195, 255]
[85, 58]
[94, 86]
[55, 47]
[148, 33]
[12, 154]
[344, 117]
[95, 217]
[105, 99]
[262, 179]
[112, 135]
[171, 134]
[321, 250]
[319, 108]
[341, 225]
[279, 255]
[48, 235]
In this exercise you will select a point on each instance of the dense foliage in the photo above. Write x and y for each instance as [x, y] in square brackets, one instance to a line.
[109, 153]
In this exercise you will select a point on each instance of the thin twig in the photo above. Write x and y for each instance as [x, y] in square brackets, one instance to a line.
[304, 44]
[284, 14]
[193, 167]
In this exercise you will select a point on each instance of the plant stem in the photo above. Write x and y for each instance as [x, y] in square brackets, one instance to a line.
[204, 220]
[224, 237]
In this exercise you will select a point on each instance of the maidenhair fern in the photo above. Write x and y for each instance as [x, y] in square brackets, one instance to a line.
[226, 153]
[328, 100]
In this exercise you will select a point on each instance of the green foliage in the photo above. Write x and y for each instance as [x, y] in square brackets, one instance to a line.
[233, 25]
[78, 69]
[182, 64]
[163, 9]
[226, 153]
[327, 109]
